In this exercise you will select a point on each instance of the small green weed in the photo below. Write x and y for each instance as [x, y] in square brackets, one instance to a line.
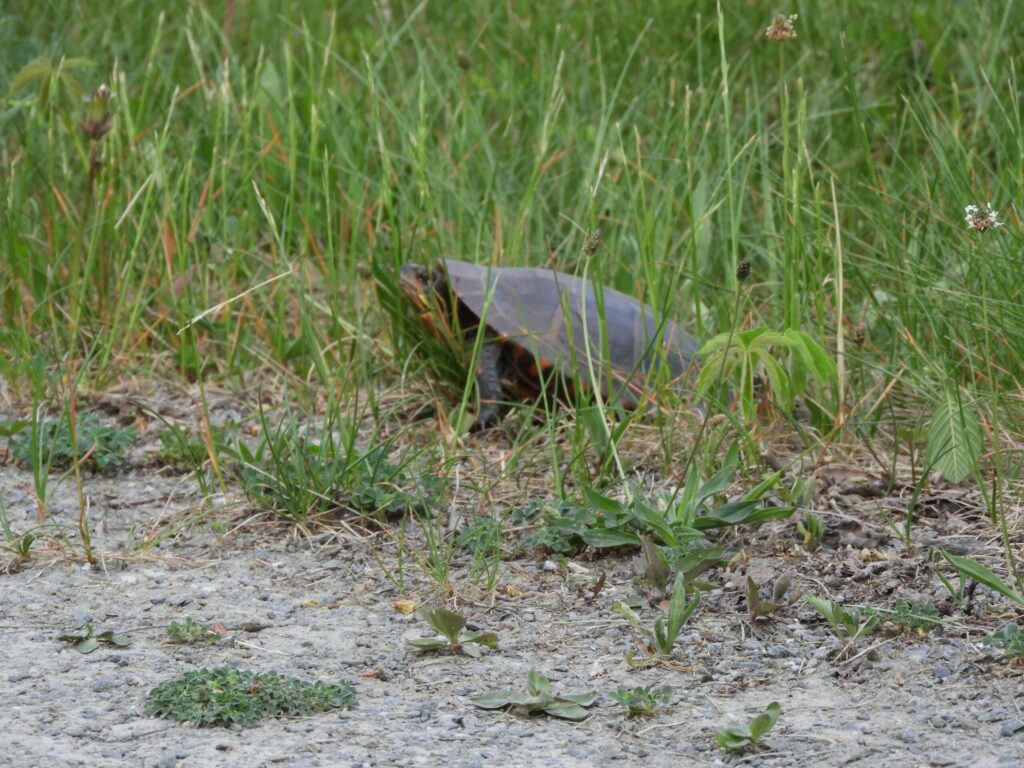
[190, 632]
[736, 358]
[737, 737]
[1011, 639]
[297, 478]
[538, 698]
[758, 608]
[99, 445]
[643, 700]
[848, 626]
[483, 539]
[226, 696]
[181, 448]
[811, 530]
[451, 625]
[673, 520]
[87, 641]
[661, 636]
[915, 618]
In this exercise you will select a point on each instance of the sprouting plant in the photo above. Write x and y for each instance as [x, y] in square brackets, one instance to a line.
[915, 618]
[451, 625]
[1011, 639]
[97, 444]
[661, 636]
[758, 608]
[189, 632]
[736, 358]
[226, 696]
[643, 700]
[811, 529]
[88, 641]
[848, 626]
[538, 698]
[972, 569]
[483, 540]
[737, 737]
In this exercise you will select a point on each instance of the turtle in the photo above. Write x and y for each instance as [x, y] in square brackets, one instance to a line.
[545, 329]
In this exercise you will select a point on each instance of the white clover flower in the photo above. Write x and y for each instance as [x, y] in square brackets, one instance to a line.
[979, 219]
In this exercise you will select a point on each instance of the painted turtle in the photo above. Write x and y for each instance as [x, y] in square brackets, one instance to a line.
[545, 328]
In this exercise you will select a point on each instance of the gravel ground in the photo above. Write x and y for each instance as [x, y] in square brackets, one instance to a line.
[323, 609]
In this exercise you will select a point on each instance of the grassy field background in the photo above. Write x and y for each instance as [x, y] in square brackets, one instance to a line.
[270, 165]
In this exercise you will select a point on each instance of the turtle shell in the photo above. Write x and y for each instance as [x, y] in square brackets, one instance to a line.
[565, 325]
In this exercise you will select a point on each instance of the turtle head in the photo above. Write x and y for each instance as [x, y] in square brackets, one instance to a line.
[424, 287]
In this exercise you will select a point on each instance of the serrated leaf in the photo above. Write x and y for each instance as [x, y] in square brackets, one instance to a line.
[954, 438]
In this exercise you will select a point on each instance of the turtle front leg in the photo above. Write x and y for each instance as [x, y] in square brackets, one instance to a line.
[488, 382]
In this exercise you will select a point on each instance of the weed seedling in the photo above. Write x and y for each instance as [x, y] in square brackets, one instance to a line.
[915, 618]
[811, 529]
[538, 698]
[48, 443]
[190, 632]
[451, 625]
[848, 626]
[643, 700]
[226, 696]
[758, 608]
[737, 737]
[1011, 639]
[661, 636]
[87, 641]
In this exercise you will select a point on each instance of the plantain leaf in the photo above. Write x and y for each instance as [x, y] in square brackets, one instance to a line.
[972, 569]
[954, 438]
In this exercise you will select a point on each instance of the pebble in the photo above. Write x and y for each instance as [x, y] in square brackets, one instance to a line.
[1010, 727]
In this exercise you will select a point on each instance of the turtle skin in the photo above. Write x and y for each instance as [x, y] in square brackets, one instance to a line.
[548, 331]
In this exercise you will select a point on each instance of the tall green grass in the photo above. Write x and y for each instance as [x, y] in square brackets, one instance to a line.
[324, 143]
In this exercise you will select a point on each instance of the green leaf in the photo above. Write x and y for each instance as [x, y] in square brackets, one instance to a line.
[614, 510]
[609, 537]
[734, 737]
[445, 622]
[566, 710]
[88, 645]
[111, 638]
[954, 438]
[813, 356]
[428, 643]
[740, 512]
[536, 683]
[974, 570]
[493, 700]
[763, 722]
[583, 699]
[489, 639]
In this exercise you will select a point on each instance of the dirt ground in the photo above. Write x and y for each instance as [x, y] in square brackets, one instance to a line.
[322, 608]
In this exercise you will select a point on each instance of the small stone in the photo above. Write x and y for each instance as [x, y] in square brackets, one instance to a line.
[910, 736]
[1010, 727]
[941, 671]
[550, 566]
[105, 683]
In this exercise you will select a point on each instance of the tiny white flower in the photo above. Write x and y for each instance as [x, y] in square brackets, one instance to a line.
[979, 219]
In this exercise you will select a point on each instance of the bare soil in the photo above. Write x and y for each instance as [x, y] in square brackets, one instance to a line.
[322, 607]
